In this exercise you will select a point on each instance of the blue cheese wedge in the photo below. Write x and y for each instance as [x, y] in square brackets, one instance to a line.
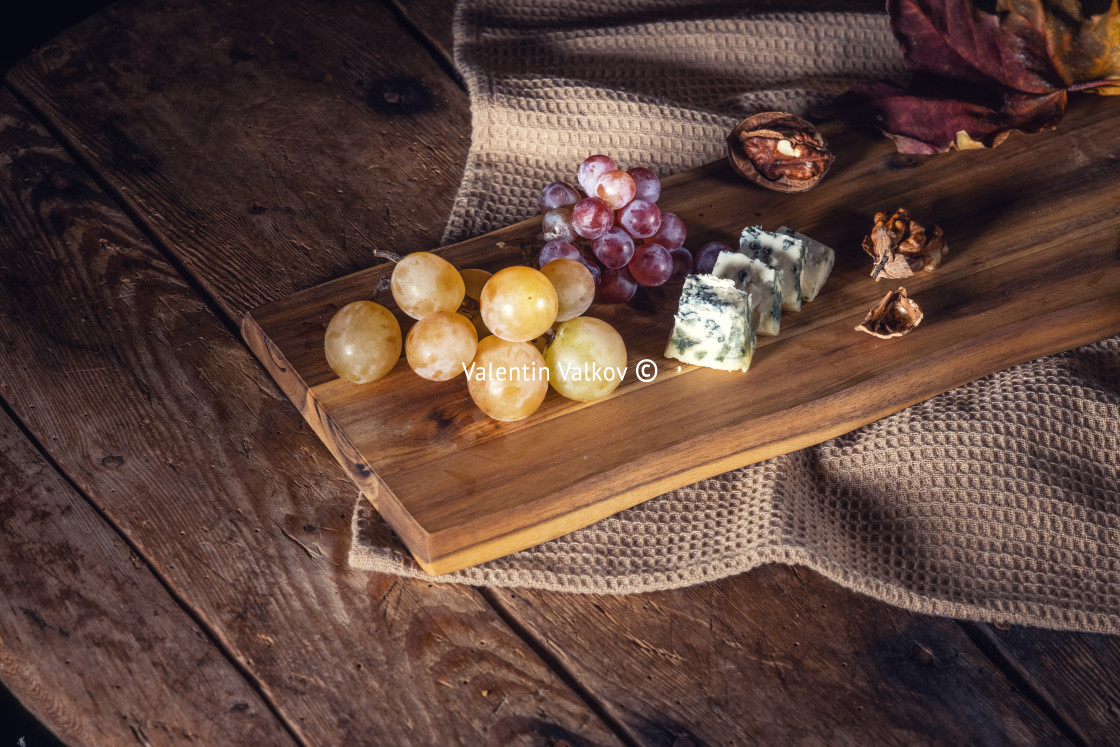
[819, 260]
[713, 326]
[760, 281]
[784, 253]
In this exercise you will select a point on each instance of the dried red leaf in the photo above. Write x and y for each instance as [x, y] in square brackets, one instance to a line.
[979, 76]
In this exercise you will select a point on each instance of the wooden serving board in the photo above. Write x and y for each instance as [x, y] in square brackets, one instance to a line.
[1033, 230]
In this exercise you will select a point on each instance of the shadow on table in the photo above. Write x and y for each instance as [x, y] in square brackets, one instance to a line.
[27, 24]
[18, 728]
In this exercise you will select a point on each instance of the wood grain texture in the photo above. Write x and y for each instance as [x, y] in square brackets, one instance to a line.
[159, 414]
[433, 20]
[1078, 674]
[90, 642]
[1003, 297]
[272, 146]
[778, 656]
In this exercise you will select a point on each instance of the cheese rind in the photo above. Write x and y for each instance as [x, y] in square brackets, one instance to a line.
[712, 326]
[785, 254]
[819, 261]
[758, 280]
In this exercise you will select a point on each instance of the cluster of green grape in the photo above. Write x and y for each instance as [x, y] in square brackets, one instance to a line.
[507, 374]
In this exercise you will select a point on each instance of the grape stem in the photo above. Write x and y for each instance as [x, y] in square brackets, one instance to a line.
[382, 285]
[386, 254]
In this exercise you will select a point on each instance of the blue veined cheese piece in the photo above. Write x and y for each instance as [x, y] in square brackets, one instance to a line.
[784, 253]
[712, 326]
[819, 260]
[761, 283]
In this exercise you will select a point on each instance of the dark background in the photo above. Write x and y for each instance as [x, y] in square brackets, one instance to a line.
[25, 25]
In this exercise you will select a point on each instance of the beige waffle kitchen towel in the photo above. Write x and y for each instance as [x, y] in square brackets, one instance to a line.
[996, 501]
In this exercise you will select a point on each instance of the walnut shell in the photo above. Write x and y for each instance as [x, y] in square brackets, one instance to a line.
[894, 316]
[779, 151]
[901, 247]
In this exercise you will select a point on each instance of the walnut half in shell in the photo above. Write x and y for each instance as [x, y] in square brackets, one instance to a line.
[779, 151]
[901, 247]
[894, 316]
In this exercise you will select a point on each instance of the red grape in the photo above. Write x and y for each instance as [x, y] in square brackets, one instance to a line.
[557, 194]
[682, 264]
[671, 234]
[652, 264]
[557, 225]
[591, 218]
[620, 207]
[614, 248]
[556, 250]
[592, 264]
[591, 169]
[647, 185]
[708, 254]
[616, 188]
[617, 286]
[640, 218]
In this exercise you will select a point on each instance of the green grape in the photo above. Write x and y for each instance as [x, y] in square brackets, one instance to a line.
[424, 283]
[518, 303]
[575, 288]
[507, 380]
[586, 359]
[363, 342]
[441, 345]
[475, 281]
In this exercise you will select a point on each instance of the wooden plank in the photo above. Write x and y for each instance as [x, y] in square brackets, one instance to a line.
[433, 20]
[90, 642]
[1079, 674]
[159, 414]
[415, 446]
[270, 145]
[777, 656]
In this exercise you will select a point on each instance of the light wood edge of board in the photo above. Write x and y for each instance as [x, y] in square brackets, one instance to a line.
[586, 515]
[1084, 323]
[336, 441]
[439, 553]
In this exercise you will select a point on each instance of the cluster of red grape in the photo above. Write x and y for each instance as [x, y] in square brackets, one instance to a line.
[615, 228]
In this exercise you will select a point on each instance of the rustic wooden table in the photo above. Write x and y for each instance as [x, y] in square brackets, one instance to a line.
[173, 566]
